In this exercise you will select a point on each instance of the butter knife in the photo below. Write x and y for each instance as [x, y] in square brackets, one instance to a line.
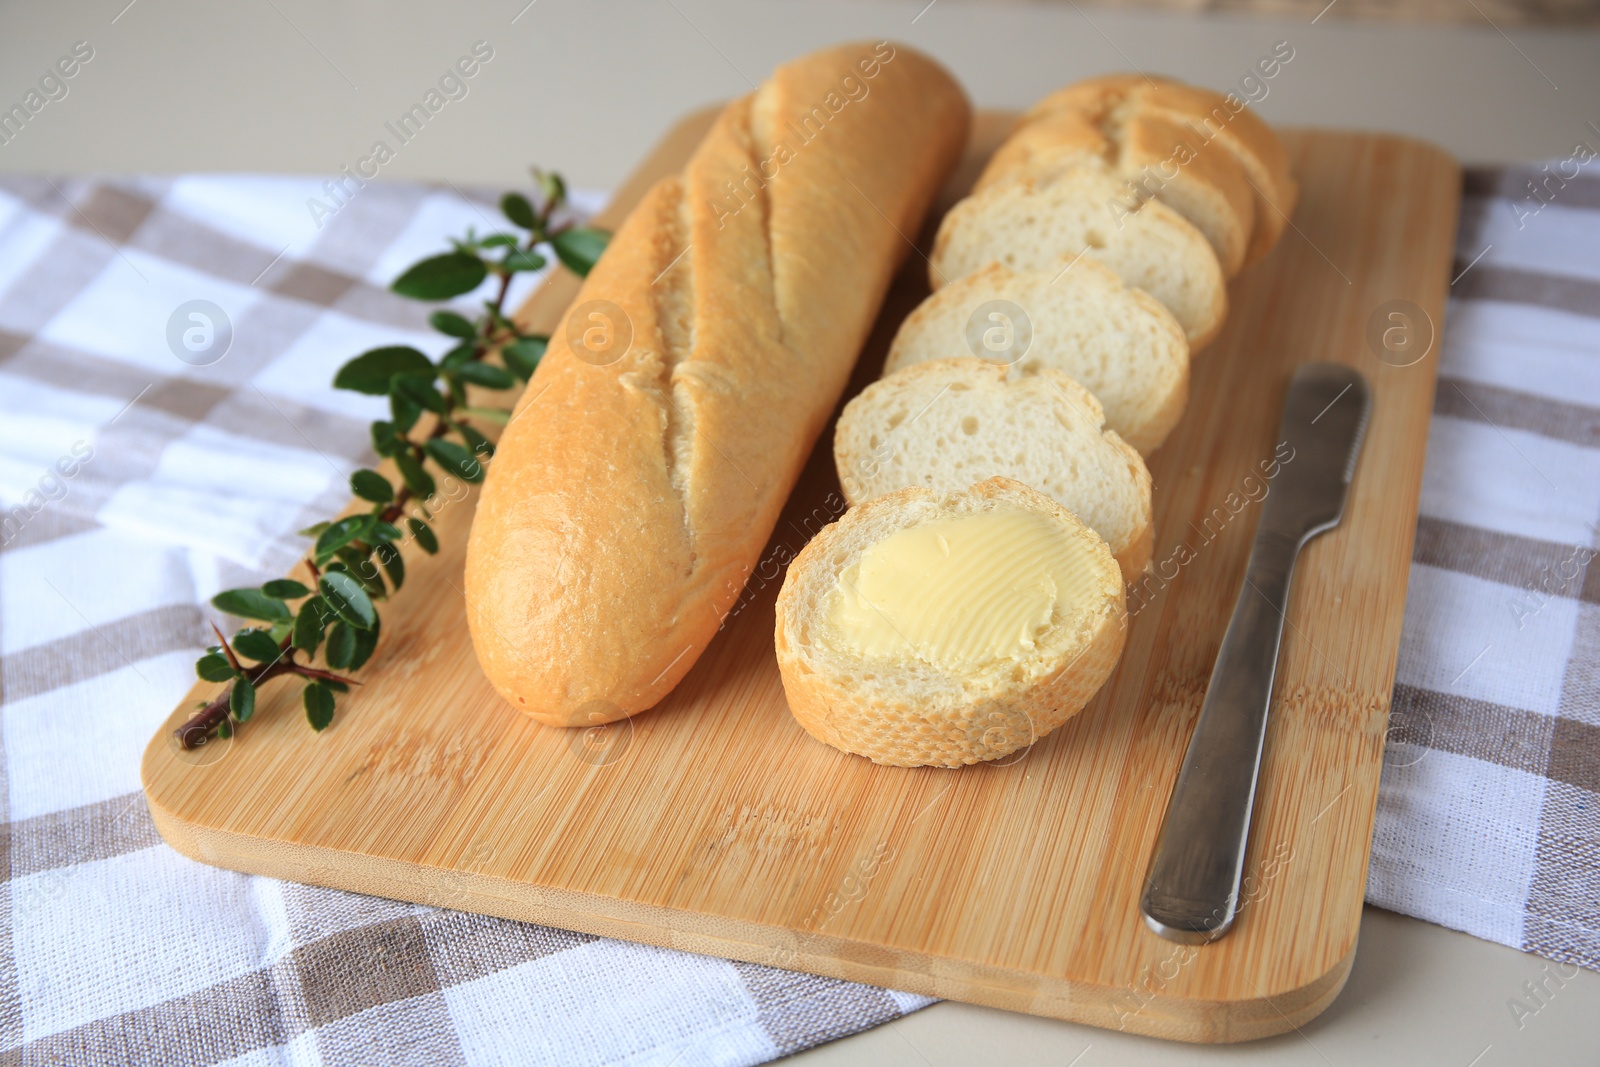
[1192, 887]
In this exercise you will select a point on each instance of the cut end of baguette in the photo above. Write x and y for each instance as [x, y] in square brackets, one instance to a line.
[1214, 119]
[946, 424]
[1078, 318]
[1029, 225]
[1151, 157]
[904, 709]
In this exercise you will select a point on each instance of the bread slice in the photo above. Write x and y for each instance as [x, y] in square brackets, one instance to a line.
[1224, 120]
[1153, 157]
[1081, 320]
[947, 424]
[907, 708]
[1029, 225]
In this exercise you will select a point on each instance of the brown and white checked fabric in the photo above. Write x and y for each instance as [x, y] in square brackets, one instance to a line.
[133, 486]
[1489, 809]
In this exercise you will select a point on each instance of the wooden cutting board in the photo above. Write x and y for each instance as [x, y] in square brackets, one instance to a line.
[714, 824]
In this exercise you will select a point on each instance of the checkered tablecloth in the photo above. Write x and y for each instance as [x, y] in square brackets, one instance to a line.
[1489, 809]
[139, 475]
[136, 484]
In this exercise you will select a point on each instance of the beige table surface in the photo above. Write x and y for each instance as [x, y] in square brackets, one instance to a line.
[305, 87]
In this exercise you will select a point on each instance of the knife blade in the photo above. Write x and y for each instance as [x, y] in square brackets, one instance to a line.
[1192, 886]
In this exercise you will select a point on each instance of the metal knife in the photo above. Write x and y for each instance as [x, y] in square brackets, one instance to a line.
[1192, 887]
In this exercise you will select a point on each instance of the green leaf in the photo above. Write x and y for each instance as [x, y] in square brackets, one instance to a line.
[315, 529]
[523, 259]
[404, 412]
[309, 624]
[251, 604]
[487, 375]
[420, 389]
[370, 485]
[419, 480]
[424, 535]
[518, 210]
[521, 357]
[551, 186]
[455, 459]
[225, 728]
[285, 589]
[499, 240]
[319, 705]
[579, 248]
[372, 371]
[366, 643]
[361, 567]
[453, 324]
[340, 534]
[462, 353]
[242, 700]
[386, 531]
[481, 446]
[500, 415]
[257, 645]
[498, 316]
[348, 600]
[389, 556]
[337, 687]
[213, 667]
[385, 441]
[280, 630]
[341, 646]
[442, 277]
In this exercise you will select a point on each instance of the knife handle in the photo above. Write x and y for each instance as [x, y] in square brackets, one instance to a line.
[1192, 887]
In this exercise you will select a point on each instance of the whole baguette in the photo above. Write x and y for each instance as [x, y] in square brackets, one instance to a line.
[631, 495]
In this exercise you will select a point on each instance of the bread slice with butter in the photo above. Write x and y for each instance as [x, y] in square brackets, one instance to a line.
[1037, 224]
[1077, 318]
[948, 423]
[944, 629]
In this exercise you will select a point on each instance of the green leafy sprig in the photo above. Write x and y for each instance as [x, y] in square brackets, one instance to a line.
[357, 560]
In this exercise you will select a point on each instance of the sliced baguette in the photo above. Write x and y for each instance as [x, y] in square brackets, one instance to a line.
[947, 424]
[1032, 226]
[906, 711]
[1118, 342]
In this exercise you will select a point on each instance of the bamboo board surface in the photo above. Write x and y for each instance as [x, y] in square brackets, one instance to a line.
[713, 823]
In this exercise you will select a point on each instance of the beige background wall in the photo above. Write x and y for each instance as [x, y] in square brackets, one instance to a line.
[293, 85]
